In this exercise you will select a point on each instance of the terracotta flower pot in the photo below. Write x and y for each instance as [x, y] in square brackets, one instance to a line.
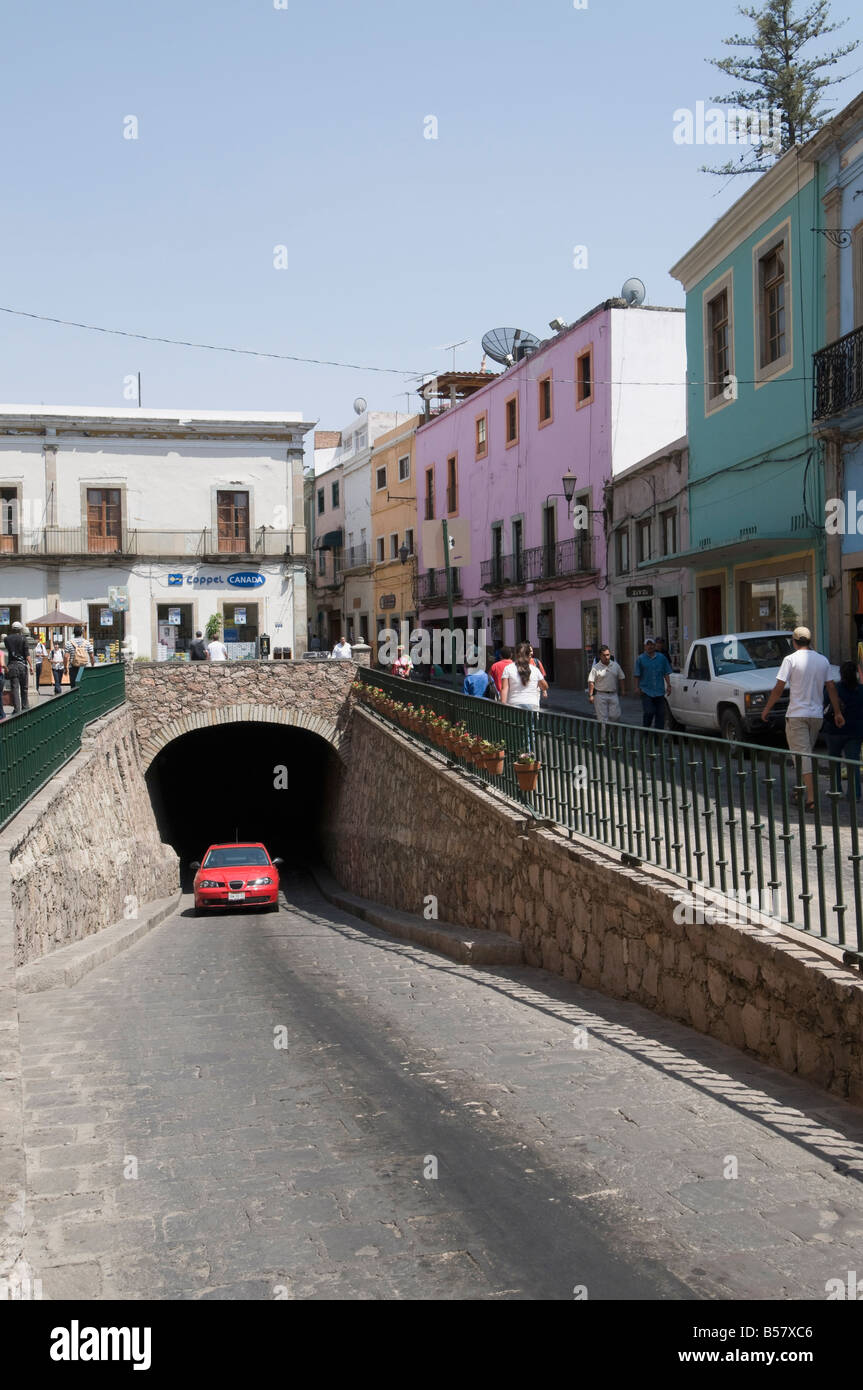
[493, 763]
[527, 775]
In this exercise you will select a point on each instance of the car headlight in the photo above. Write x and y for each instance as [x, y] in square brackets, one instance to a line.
[755, 701]
[257, 882]
[210, 883]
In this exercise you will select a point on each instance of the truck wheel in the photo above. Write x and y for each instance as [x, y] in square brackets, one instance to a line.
[731, 726]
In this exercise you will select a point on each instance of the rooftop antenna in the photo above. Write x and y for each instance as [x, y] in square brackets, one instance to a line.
[451, 347]
[139, 390]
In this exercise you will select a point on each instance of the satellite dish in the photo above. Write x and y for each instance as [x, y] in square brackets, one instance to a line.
[360, 404]
[633, 292]
[506, 344]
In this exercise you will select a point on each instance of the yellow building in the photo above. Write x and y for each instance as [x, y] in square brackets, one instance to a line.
[394, 530]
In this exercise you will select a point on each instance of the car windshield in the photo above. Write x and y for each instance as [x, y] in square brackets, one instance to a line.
[234, 858]
[755, 654]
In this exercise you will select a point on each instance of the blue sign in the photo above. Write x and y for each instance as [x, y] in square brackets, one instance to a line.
[175, 579]
[246, 579]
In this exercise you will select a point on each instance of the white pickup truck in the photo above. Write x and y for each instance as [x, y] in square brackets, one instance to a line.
[726, 681]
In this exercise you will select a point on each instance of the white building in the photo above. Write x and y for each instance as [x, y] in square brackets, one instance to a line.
[171, 515]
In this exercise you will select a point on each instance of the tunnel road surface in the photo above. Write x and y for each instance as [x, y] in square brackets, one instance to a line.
[427, 1131]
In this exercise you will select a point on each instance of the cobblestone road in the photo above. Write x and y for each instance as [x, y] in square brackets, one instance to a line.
[305, 1171]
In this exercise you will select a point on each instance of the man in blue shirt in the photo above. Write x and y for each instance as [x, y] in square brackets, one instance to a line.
[652, 670]
[476, 682]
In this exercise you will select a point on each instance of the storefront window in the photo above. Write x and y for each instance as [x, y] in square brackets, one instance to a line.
[775, 604]
[106, 631]
[174, 630]
[240, 630]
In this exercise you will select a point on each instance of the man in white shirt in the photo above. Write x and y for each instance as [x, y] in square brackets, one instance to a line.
[342, 650]
[217, 650]
[604, 685]
[807, 675]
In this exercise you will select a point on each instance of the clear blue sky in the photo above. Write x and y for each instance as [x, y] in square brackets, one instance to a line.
[304, 127]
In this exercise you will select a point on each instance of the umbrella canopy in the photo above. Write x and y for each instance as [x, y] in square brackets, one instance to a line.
[54, 619]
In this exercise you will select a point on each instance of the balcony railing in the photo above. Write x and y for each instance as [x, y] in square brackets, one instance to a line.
[353, 558]
[205, 542]
[838, 372]
[559, 560]
[503, 571]
[432, 585]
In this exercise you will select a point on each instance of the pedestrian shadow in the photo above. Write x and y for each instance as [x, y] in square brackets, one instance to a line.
[789, 1107]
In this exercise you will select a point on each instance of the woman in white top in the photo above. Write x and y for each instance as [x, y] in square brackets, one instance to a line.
[40, 654]
[521, 684]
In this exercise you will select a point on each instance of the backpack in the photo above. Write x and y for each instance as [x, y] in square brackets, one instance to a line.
[80, 656]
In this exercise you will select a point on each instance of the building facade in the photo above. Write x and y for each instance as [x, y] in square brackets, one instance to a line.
[585, 403]
[756, 472]
[143, 525]
[394, 529]
[354, 457]
[326, 609]
[650, 592]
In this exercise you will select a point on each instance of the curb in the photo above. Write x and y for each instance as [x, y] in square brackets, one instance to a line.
[68, 965]
[459, 943]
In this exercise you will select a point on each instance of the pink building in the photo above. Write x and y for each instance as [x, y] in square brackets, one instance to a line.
[592, 401]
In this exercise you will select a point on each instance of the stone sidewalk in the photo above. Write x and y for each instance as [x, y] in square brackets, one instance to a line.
[429, 1131]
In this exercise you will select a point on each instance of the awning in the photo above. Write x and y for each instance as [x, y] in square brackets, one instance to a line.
[331, 540]
[54, 619]
[737, 551]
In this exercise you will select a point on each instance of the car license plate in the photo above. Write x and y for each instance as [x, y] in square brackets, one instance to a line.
[235, 897]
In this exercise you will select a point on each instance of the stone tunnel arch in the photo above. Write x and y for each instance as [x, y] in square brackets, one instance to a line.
[241, 714]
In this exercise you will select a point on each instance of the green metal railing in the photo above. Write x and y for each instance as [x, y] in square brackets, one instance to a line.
[36, 743]
[725, 819]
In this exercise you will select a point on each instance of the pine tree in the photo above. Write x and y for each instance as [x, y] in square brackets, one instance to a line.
[778, 78]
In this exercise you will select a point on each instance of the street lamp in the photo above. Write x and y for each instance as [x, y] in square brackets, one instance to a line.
[569, 481]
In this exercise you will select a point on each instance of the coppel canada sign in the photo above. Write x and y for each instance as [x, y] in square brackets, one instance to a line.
[241, 579]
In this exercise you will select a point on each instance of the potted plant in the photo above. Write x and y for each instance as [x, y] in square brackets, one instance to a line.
[527, 768]
[213, 626]
[493, 757]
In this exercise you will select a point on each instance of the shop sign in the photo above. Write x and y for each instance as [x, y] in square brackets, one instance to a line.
[4, 616]
[388, 600]
[639, 591]
[118, 598]
[175, 616]
[240, 617]
[106, 617]
[240, 579]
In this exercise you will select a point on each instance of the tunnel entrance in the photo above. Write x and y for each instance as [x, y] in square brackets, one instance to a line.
[228, 783]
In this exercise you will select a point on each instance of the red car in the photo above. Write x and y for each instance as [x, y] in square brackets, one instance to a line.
[236, 876]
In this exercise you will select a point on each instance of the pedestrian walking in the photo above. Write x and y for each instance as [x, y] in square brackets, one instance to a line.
[807, 675]
[500, 664]
[845, 742]
[197, 648]
[58, 665]
[216, 650]
[79, 653]
[522, 687]
[19, 666]
[41, 654]
[402, 666]
[2, 686]
[652, 671]
[604, 686]
[342, 650]
[476, 682]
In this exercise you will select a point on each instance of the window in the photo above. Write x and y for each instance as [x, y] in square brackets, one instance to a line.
[518, 551]
[404, 469]
[771, 291]
[361, 439]
[668, 523]
[348, 444]
[482, 435]
[584, 378]
[379, 550]
[320, 501]
[232, 514]
[409, 540]
[429, 494]
[511, 431]
[623, 552]
[394, 545]
[381, 478]
[699, 666]
[322, 562]
[9, 520]
[720, 357]
[334, 493]
[773, 306]
[643, 540]
[103, 518]
[544, 400]
[452, 484]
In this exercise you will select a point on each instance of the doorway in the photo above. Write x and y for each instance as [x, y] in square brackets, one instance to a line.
[545, 633]
[623, 649]
[710, 611]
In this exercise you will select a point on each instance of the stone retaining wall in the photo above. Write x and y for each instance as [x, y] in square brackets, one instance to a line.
[402, 826]
[86, 852]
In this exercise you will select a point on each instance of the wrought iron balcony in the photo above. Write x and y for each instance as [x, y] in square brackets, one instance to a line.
[558, 561]
[838, 372]
[503, 571]
[353, 558]
[432, 585]
[202, 543]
